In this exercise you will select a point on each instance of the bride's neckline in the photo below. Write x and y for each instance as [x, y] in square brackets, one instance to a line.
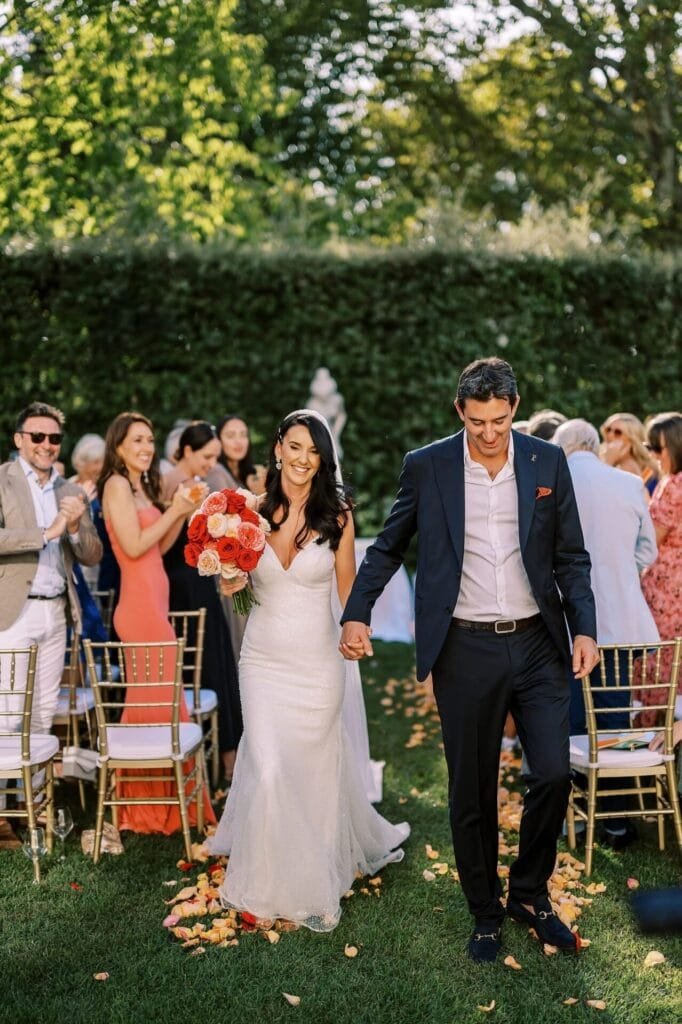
[286, 568]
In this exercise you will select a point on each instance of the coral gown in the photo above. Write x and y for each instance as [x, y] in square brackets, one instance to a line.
[142, 615]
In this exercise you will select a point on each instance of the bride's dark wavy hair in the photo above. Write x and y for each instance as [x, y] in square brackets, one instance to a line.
[328, 505]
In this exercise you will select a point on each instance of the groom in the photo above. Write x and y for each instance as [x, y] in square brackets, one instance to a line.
[501, 569]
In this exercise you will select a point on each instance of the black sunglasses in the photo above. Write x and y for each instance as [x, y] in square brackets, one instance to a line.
[38, 436]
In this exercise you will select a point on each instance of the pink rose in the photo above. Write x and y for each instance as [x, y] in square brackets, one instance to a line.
[208, 563]
[215, 502]
[251, 537]
[216, 524]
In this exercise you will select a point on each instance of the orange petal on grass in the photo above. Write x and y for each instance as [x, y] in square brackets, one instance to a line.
[198, 951]
[509, 961]
[487, 1009]
[272, 936]
[571, 1001]
[653, 958]
[428, 876]
[350, 951]
[431, 853]
[292, 1000]
[101, 976]
[596, 1004]
[548, 949]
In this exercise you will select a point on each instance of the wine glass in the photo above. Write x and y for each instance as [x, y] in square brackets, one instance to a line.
[35, 847]
[62, 825]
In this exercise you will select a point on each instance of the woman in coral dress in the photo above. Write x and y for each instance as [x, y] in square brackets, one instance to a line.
[662, 581]
[140, 533]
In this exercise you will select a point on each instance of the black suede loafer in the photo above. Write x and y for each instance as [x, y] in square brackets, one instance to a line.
[548, 927]
[485, 942]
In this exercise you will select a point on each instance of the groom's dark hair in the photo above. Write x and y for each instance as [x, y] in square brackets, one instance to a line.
[485, 379]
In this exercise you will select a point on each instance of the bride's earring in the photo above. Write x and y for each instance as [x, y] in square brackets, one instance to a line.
[278, 464]
[145, 476]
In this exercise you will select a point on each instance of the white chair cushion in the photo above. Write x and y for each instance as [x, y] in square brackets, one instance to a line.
[150, 742]
[208, 698]
[641, 758]
[85, 701]
[42, 749]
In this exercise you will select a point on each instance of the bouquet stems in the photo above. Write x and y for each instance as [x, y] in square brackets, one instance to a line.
[243, 601]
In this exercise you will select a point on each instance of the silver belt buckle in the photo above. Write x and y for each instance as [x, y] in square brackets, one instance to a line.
[503, 626]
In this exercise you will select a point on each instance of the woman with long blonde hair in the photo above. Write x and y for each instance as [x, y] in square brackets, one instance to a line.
[625, 447]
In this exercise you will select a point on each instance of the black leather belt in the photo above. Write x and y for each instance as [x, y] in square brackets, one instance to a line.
[46, 597]
[502, 627]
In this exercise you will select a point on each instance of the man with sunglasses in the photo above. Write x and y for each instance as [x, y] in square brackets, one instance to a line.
[45, 527]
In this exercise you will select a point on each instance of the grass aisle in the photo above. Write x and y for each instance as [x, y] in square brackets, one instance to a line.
[411, 964]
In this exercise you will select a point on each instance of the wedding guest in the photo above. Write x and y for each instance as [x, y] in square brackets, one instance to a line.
[499, 545]
[621, 541]
[141, 531]
[235, 468]
[662, 581]
[170, 445]
[86, 459]
[625, 447]
[195, 457]
[544, 423]
[298, 826]
[45, 530]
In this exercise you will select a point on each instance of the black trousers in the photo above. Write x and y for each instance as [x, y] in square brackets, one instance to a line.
[478, 677]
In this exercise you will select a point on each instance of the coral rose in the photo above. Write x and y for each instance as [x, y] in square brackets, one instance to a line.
[192, 552]
[208, 563]
[196, 531]
[216, 524]
[251, 537]
[215, 502]
[247, 559]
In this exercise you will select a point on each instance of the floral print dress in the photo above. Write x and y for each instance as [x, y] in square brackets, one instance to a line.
[662, 581]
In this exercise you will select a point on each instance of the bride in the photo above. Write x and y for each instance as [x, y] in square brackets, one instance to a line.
[298, 825]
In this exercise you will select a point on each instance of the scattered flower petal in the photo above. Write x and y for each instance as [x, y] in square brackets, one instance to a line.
[632, 883]
[101, 976]
[76, 886]
[509, 961]
[487, 1009]
[292, 1000]
[170, 921]
[653, 958]
[548, 949]
[428, 876]
[272, 936]
[350, 951]
[571, 1001]
[198, 951]
[596, 1004]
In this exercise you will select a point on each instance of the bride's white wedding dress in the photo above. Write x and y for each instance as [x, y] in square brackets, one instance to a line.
[297, 825]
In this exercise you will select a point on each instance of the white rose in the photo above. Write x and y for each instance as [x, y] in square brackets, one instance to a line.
[249, 497]
[264, 525]
[216, 524]
[208, 563]
[232, 524]
[231, 571]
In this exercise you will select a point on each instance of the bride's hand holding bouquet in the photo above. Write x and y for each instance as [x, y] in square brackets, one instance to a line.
[226, 538]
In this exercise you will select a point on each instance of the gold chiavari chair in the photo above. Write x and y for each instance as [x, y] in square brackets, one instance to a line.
[202, 704]
[618, 753]
[133, 746]
[24, 755]
[76, 704]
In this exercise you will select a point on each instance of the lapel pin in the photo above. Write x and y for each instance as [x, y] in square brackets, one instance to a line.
[533, 458]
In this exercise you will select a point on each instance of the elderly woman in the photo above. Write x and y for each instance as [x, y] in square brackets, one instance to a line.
[620, 538]
[625, 447]
[662, 581]
[87, 458]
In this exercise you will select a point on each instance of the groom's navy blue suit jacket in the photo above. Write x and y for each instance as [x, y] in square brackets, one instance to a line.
[430, 502]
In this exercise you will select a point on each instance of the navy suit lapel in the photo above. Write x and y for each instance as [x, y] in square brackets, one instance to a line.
[525, 470]
[449, 470]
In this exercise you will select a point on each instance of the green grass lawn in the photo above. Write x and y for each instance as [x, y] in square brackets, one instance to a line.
[411, 964]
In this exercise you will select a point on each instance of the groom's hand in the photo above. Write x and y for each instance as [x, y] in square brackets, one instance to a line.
[585, 655]
[355, 642]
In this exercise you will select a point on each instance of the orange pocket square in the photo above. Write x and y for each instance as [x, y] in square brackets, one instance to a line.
[542, 492]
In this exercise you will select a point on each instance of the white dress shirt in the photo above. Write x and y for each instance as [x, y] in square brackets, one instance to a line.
[494, 583]
[50, 577]
[621, 540]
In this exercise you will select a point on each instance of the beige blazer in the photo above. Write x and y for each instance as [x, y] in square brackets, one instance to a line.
[21, 540]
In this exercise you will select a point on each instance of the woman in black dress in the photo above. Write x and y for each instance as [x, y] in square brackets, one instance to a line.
[197, 453]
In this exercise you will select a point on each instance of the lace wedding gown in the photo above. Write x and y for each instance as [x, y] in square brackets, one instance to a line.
[297, 824]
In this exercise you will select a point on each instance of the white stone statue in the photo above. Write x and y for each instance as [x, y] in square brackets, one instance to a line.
[326, 399]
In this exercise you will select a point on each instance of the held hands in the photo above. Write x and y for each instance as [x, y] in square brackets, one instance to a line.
[355, 641]
[585, 656]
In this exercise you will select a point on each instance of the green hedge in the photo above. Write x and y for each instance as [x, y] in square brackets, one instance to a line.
[200, 332]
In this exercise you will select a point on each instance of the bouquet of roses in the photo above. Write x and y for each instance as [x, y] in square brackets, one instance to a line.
[226, 537]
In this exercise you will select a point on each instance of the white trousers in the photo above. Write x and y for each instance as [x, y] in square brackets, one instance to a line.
[42, 623]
